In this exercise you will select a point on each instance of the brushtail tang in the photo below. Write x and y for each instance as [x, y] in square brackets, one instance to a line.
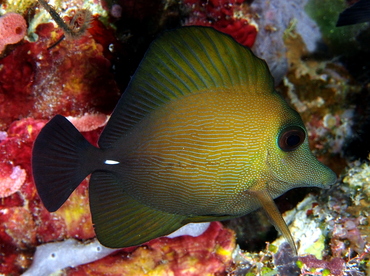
[199, 135]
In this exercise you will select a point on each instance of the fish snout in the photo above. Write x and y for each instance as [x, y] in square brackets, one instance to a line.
[330, 179]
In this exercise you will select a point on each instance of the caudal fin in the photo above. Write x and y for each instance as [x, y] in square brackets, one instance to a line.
[61, 159]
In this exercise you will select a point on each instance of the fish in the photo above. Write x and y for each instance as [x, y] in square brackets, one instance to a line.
[199, 135]
[357, 13]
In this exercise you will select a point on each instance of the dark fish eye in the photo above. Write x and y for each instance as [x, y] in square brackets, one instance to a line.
[291, 138]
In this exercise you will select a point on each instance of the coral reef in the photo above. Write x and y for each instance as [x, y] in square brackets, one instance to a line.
[73, 221]
[52, 257]
[232, 17]
[12, 178]
[24, 221]
[79, 71]
[82, 78]
[276, 21]
[325, 94]
[331, 231]
[208, 254]
[259, 24]
[13, 28]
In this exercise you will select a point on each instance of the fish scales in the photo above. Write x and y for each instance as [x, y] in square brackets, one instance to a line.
[178, 157]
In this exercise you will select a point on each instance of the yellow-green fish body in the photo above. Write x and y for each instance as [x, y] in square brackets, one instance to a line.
[199, 135]
[201, 144]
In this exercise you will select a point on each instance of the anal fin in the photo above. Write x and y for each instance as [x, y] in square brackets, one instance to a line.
[120, 220]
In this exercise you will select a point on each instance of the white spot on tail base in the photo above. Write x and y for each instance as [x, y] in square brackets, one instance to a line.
[111, 162]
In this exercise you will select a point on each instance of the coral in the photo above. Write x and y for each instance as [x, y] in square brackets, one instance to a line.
[285, 261]
[13, 28]
[305, 229]
[52, 257]
[70, 79]
[227, 16]
[276, 21]
[207, 254]
[163, 255]
[89, 122]
[357, 229]
[335, 266]
[78, 78]
[252, 264]
[24, 222]
[73, 221]
[331, 230]
[17, 226]
[18, 6]
[346, 229]
[20, 235]
[11, 179]
[325, 95]
[77, 26]
[358, 174]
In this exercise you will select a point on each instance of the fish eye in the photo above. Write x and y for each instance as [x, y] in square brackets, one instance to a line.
[291, 138]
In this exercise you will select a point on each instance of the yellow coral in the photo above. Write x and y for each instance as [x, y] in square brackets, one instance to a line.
[19, 6]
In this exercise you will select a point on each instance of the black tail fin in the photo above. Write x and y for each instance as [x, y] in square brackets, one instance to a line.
[61, 159]
[357, 13]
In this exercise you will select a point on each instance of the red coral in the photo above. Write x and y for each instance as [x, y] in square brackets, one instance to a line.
[17, 227]
[13, 28]
[223, 16]
[11, 179]
[207, 254]
[12, 260]
[24, 222]
[72, 78]
[15, 156]
[241, 31]
[104, 37]
[89, 122]
[19, 234]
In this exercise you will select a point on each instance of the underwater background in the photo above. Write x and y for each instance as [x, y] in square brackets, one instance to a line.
[80, 69]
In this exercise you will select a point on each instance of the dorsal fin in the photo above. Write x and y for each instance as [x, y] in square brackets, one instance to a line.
[182, 62]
